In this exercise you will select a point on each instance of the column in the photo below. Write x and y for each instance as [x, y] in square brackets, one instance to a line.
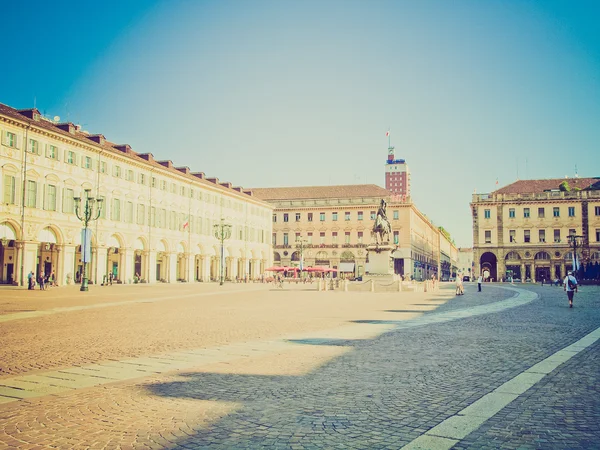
[190, 266]
[30, 253]
[206, 264]
[500, 269]
[522, 272]
[144, 274]
[58, 273]
[101, 263]
[151, 276]
[563, 269]
[172, 268]
[533, 280]
[68, 272]
[19, 277]
[93, 267]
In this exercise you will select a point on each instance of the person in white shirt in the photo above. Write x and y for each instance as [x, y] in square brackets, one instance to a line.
[570, 285]
[459, 285]
[479, 281]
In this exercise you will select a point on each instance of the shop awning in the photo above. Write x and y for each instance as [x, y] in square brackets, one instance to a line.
[346, 267]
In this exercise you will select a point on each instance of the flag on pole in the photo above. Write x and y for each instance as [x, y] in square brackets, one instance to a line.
[387, 133]
[496, 181]
[186, 223]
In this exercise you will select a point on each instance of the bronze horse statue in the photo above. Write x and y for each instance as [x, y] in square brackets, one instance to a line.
[381, 228]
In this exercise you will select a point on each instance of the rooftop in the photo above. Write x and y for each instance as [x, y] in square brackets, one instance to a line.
[320, 192]
[553, 184]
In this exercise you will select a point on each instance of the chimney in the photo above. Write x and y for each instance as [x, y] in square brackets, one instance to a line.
[66, 126]
[168, 163]
[213, 180]
[199, 175]
[31, 113]
[97, 138]
[147, 156]
[184, 169]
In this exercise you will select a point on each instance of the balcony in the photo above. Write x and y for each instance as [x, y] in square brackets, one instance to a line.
[552, 195]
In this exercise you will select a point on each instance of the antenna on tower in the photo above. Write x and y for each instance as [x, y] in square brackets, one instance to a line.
[576, 174]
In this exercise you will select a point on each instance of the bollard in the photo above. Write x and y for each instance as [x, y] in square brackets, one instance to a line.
[345, 285]
[372, 285]
[399, 285]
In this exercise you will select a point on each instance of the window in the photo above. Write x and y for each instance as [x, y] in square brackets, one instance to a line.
[50, 198]
[274, 218]
[526, 236]
[31, 194]
[141, 214]
[298, 236]
[34, 146]
[597, 210]
[68, 203]
[322, 237]
[541, 213]
[542, 235]
[373, 215]
[129, 175]
[162, 218]
[52, 152]
[116, 209]
[274, 239]
[597, 234]
[334, 237]
[571, 211]
[71, 157]
[556, 211]
[309, 238]
[512, 235]
[347, 237]
[396, 214]
[310, 217]
[87, 162]
[322, 217]
[102, 166]
[488, 236]
[360, 237]
[285, 239]
[163, 185]
[396, 237]
[117, 171]
[556, 235]
[142, 178]
[298, 217]
[129, 212]
[11, 139]
[182, 191]
[153, 182]
[526, 212]
[487, 213]
[347, 215]
[334, 216]
[9, 190]
[511, 213]
[153, 216]
[285, 217]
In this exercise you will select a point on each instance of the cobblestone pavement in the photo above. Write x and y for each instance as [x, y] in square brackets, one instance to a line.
[321, 391]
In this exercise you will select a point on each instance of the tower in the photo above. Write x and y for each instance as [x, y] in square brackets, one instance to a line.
[397, 175]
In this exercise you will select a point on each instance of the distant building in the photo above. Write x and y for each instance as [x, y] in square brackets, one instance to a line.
[397, 176]
[522, 229]
[331, 226]
[465, 262]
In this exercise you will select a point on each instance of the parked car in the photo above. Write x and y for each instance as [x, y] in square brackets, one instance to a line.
[466, 278]
[452, 279]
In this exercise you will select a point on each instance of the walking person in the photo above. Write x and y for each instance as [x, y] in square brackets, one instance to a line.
[570, 286]
[42, 281]
[479, 281]
[30, 281]
[459, 285]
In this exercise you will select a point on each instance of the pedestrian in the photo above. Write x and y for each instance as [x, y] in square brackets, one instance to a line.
[110, 278]
[459, 286]
[570, 286]
[42, 281]
[479, 281]
[30, 281]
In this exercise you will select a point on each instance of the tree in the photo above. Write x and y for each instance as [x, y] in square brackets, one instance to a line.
[564, 187]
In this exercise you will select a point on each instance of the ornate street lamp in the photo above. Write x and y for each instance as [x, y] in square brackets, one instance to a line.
[222, 232]
[575, 241]
[301, 244]
[86, 213]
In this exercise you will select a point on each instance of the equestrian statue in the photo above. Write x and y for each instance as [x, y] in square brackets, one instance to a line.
[381, 228]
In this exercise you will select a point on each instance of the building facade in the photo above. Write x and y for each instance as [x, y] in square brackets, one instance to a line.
[157, 222]
[397, 176]
[521, 230]
[331, 226]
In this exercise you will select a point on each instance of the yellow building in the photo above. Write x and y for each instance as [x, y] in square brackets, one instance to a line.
[157, 222]
[522, 229]
[331, 226]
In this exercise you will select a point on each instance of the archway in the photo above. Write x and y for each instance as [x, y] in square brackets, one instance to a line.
[489, 266]
[542, 266]
[113, 258]
[47, 254]
[139, 261]
[162, 261]
[513, 266]
[8, 254]
[181, 263]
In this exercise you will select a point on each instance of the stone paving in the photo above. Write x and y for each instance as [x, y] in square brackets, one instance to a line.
[324, 378]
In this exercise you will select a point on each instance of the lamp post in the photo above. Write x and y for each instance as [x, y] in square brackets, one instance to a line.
[301, 245]
[575, 241]
[86, 213]
[222, 232]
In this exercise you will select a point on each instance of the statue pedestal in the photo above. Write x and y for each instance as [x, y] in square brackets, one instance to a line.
[380, 259]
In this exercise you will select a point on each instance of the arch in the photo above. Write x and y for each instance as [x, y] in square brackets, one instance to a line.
[347, 256]
[296, 256]
[10, 168]
[321, 255]
[114, 240]
[8, 231]
[162, 246]
[52, 177]
[276, 257]
[181, 247]
[488, 262]
[255, 253]
[512, 255]
[200, 249]
[542, 256]
[49, 235]
[139, 244]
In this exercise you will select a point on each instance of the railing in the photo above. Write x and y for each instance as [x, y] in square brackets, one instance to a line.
[551, 195]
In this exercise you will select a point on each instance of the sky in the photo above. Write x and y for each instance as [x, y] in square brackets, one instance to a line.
[290, 93]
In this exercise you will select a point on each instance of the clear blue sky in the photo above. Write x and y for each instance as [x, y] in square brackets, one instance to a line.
[282, 93]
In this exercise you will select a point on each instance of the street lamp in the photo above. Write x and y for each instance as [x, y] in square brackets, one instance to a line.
[575, 241]
[222, 231]
[89, 212]
[301, 244]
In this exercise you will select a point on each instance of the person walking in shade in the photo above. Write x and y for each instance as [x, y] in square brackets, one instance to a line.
[479, 281]
[570, 286]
